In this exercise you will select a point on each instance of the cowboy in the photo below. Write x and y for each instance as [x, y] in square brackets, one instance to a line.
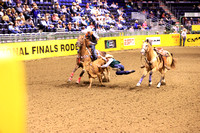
[93, 37]
[115, 64]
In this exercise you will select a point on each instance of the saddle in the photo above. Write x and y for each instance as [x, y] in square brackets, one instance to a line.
[163, 54]
[161, 51]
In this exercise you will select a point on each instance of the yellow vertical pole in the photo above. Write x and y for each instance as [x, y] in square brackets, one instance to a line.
[12, 95]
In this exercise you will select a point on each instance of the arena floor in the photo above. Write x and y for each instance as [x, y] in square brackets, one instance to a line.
[55, 106]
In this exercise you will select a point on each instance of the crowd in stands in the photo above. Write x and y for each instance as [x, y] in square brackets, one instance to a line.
[28, 16]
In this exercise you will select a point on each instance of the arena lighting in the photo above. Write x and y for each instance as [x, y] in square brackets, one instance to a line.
[5, 53]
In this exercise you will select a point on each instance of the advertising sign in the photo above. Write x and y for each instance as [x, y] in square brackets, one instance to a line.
[129, 41]
[110, 44]
[155, 40]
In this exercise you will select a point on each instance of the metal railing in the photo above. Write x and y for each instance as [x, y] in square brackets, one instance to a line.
[27, 37]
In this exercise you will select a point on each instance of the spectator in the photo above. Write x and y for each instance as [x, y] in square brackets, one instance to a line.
[63, 18]
[55, 17]
[11, 28]
[163, 15]
[127, 6]
[83, 30]
[61, 24]
[113, 5]
[120, 26]
[136, 24]
[198, 7]
[21, 15]
[87, 7]
[161, 22]
[144, 25]
[151, 15]
[76, 26]
[20, 23]
[63, 9]
[105, 5]
[192, 21]
[18, 8]
[83, 21]
[131, 29]
[27, 12]
[112, 28]
[36, 15]
[17, 26]
[13, 11]
[121, 19]
[68, 14]
[176, 29]
[43, 24]
[69, 27]
[183, 36]
[120, 11]
[92, 25]
[78, 1]
[57, 8]
[73, 8]
[8, 12]
[188, 24]
[5, 19]
[198, 21]
[1, 12]
[29, 23]
[49, 23]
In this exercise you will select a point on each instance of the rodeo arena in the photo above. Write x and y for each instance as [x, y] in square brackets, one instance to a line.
[99, 66]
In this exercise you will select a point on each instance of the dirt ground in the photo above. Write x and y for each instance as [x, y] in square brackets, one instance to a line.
[56, 106]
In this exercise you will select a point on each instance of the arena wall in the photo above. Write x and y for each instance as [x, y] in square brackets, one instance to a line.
[55, 48]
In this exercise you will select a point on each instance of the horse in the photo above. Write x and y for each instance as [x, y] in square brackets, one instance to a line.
[155, 61]
[95, 71]
[83, 57]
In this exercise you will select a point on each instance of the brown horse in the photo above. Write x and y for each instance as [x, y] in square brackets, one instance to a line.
[155, 61]
[83, 57]
[95, 71]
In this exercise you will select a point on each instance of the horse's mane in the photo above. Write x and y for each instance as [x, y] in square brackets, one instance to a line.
[149, 41]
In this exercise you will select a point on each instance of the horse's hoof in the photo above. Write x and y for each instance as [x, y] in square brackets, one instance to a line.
[77, 82]
[138, 84]
[150, 83]
[158, 86]
[70, 79]
[163, 83]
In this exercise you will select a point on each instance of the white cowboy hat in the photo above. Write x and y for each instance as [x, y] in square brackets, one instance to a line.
[109, 56]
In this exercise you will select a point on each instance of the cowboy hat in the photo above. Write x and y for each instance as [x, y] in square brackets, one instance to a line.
[109, 56]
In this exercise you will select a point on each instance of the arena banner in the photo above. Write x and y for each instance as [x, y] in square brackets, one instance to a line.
[133, 42]
[41, 49]
[193, 40]
[55, 48]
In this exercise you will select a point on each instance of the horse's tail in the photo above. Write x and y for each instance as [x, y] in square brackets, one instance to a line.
[173, 62]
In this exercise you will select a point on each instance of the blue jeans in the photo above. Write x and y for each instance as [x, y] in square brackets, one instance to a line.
[94, 52]
[121, 67]
[184, 38]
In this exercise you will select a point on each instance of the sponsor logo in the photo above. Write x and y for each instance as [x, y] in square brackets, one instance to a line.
[110, 44]
[193, 39]
[129, 41]
[155, 40]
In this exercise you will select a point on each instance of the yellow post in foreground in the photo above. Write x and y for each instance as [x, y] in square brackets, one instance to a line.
[12, 95]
